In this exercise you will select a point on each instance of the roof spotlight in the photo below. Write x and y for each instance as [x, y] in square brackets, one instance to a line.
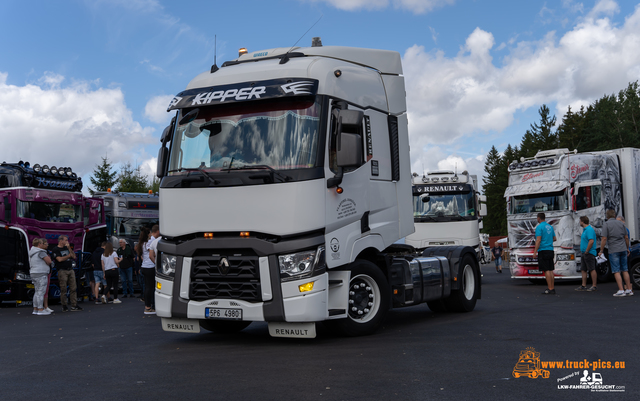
[54, 170]
[37, 168]
[45, 169]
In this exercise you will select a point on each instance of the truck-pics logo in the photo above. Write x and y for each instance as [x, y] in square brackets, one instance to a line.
[529, 365]
[576, 170]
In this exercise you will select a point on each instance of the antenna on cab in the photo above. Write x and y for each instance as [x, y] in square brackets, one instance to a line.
[214, 67]
[285, 58]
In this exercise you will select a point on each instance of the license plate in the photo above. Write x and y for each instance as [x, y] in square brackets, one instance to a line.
[534, 271]
[218, 313]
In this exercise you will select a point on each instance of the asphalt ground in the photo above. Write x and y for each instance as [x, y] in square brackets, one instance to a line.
[115, 352]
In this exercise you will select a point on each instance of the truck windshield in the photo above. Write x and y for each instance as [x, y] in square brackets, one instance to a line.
[132, 226]
[281, 134]
[535, 203]
[53, 212]
[444, 207]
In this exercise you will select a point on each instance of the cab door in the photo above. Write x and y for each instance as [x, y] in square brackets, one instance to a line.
[588, 201]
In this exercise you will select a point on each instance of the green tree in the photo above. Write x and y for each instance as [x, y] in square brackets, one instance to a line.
[131, 179]
[541, 135]
[491, 188]
[154, 185]
[103, 178]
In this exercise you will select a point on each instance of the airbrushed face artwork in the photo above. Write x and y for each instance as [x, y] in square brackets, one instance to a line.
[609, 173]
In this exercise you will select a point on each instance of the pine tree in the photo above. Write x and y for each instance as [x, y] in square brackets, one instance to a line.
[492, 190]
[102, 178]
[540, 136]
[131, 179]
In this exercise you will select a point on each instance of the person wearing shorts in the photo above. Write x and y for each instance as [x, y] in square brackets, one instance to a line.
[98, 274]
[614, 234]
[545, 235]
[588, 249]
[497, 254]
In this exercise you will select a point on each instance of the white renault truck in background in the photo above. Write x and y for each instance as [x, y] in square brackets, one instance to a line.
[566, 185]
[285, 182]
[447, 210]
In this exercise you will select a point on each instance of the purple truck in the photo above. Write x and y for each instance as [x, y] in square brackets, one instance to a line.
[44, 202]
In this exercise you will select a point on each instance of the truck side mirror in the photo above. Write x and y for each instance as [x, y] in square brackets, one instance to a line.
[349, 145]
[163, 158]
[483, 209]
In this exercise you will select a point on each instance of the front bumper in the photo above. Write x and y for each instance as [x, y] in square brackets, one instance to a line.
[310, 306]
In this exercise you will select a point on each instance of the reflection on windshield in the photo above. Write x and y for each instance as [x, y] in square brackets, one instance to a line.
[53, 212]
[536, 203]
[457, 206]
[131, 226]
[282, 135]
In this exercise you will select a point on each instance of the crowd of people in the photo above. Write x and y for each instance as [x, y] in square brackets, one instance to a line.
[110, 267]
[614, 237]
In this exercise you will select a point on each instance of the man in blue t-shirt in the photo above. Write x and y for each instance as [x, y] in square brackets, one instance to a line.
[588, 249]
[544, 251]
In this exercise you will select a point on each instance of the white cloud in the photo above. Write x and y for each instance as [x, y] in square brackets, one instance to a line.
[156, 109]
[450, 98]
[414, 6]
[69, 126]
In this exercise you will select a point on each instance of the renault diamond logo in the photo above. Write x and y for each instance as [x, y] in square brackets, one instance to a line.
[223, 266]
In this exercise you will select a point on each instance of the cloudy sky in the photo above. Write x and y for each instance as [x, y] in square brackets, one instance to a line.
[81, 79]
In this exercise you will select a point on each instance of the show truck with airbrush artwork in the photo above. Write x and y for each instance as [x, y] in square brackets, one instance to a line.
[447, 210]
[285, 182]
[127, 213]
[566, 185]
[43, 202]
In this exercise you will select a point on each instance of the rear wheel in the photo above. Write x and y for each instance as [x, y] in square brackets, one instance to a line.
[464, 299]
[223, 327]
[634, 275]
[604, 272]
[368, 303]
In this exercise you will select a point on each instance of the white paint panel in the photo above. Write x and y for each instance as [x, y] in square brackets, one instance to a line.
[278, 209]
[185, 278]
[265, 279]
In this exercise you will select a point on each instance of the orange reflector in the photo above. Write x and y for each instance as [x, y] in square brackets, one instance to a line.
[208, 235]
[339, 190]
[244, 234]
[108, 189]
[455, 279]
[395, 292]
[150, 192]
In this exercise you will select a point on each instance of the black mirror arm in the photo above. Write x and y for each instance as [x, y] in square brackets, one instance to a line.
[336, 180]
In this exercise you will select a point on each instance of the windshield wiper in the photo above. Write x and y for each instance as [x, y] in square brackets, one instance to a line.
[272, 171]
[188, 178]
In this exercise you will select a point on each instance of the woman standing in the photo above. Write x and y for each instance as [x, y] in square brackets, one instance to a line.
[148, 271]
[39, 263]
[110, 262]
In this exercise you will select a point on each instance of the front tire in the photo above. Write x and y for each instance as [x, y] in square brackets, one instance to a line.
[464, 299]
[223, 326]
[368, 303]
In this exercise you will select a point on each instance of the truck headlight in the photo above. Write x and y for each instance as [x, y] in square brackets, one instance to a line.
[512, 258]
[167, 265]
[300, 264]
[566, 256]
